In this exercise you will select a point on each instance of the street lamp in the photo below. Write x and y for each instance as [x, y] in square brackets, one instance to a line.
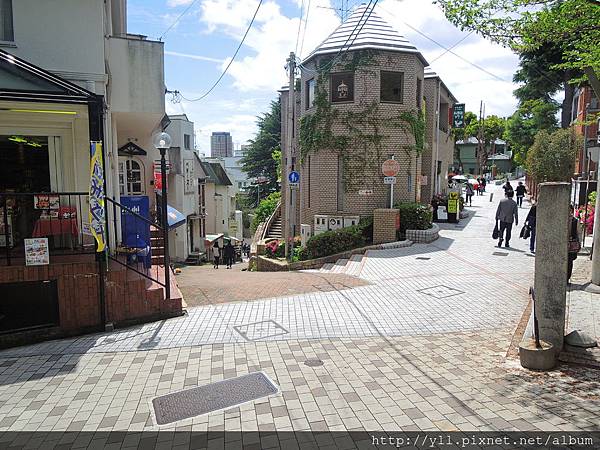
[162, 141]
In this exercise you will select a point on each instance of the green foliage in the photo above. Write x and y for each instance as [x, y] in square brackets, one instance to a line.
[414, 216]
[521, 128]
[366, 226]
[259, 161]
[486, 132]
[362, 141]
[592, 197]
[568, 27]
[332, 242]
[552, 156]
[276, 155]
[265, 209]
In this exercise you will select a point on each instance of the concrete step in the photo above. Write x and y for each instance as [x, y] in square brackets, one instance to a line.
[339, 266]
[354, 265]
[326, 267]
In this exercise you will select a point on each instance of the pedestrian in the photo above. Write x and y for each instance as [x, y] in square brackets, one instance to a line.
[483, 182]
[521, 191]
[216, 255]
[530, 222]
[574, 243]
[229, 254]
[480, 186]
[506, 214]
[469, 193]
[507, 188]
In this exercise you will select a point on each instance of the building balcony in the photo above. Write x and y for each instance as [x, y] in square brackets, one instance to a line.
[137, 82]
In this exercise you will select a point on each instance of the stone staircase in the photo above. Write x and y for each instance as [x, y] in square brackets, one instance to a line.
[344, 266]
[276, 229]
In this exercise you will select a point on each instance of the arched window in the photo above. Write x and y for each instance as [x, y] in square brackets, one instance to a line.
[131, 177]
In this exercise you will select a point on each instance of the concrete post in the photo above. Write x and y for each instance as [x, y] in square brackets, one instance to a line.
[552, 223]
[596, 243]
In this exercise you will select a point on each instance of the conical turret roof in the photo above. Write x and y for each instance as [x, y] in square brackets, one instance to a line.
[365, 29]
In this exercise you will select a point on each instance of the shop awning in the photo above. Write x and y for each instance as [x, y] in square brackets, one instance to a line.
[174, 217]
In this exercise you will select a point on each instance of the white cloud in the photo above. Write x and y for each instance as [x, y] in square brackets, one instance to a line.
[175, 3]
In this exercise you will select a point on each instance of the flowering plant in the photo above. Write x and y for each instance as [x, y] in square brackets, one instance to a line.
[271, 248]
[585, 215]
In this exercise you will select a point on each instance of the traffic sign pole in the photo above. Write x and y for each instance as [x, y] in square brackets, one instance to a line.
[392, 192]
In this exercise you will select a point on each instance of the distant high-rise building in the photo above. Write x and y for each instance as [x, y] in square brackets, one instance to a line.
[241, 152]
[221, 144]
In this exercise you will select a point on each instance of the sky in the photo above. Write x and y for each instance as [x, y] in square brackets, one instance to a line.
[200, 45]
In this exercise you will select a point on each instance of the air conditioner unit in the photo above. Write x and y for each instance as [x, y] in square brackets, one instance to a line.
[320, 224]
[305, 233]
[335, 222]
[350, 221]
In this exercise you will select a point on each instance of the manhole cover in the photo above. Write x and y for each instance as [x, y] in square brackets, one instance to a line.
[440, 291]
[260, 330]
[313, 362]
[423, 258]
[500, 254]
[212, 397]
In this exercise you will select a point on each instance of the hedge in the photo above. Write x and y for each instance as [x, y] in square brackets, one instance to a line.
[332, 242]
[414, 216]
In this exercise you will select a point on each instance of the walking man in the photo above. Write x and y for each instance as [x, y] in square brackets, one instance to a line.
[506, 214]
[521, 191]
[229, 254]
[530, 222]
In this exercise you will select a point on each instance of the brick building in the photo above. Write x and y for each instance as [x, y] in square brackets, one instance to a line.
[362, 97]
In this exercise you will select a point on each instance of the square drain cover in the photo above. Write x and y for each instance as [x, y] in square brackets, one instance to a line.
[500, 254]
[212, 397]
[440, 291]
[260, 330]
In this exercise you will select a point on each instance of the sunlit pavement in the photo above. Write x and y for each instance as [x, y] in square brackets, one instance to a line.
[423, 347]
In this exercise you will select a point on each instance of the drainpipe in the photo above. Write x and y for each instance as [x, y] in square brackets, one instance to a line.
[436, 186]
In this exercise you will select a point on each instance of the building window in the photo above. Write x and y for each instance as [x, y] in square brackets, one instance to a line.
[342, 87]
[187, 141]
[392, 87]
[419, 92]
[131, 179]
[6, 21]
[310, 93]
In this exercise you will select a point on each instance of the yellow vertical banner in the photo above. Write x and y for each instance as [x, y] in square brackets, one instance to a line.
[96, 195]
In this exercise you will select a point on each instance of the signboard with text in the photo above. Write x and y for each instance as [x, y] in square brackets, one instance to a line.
[37, 252]
[458, 115]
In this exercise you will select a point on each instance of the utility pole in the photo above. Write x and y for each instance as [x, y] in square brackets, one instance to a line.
[287, 154]
[480, 138]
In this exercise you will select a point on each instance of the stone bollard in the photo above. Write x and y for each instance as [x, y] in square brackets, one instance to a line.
[385, 224]
[551, 261]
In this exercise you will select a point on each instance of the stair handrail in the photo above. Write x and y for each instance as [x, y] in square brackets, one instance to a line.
[270, 220]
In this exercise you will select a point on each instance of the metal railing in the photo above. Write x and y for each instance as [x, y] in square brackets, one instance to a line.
[59, 217]
[132, 237]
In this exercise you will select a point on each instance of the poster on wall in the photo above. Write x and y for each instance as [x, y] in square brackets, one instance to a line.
[46, 201]
[36, 252]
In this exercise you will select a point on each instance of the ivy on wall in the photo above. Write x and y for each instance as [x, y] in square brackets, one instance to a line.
[360, 135]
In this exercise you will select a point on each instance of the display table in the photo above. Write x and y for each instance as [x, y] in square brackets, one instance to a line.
[64, 224]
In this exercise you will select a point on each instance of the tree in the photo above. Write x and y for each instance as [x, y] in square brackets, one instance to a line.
[569, 26]
[259, 160]
[522, 127]
[552, 156]
[486, 132]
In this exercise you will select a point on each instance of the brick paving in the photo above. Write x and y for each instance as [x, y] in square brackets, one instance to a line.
[203, 285]
[422, 347]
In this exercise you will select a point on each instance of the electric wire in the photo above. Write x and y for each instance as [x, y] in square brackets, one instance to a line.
[230, 61]
[450, 48]
[304, 30]
[177, 20]
[299, 26]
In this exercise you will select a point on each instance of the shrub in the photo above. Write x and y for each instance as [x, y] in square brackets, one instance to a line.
[592, 198]
[265, 209]
[414, 216]
[552, 156]
[366, 226]
[332, 242]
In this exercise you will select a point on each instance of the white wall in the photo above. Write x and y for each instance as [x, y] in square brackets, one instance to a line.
[63, 36]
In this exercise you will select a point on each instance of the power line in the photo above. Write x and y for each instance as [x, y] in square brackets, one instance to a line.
[299, 26]
[304, 30]
[231, 60]
[178, 19]
[449, 50]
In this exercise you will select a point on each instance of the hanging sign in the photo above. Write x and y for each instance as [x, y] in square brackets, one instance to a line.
[96, 195]
[458, 115]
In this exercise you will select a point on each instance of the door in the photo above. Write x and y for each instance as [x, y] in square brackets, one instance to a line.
[131, 177]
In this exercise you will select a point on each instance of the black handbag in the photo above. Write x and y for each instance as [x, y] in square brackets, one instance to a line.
[496, 232]
[525, 232]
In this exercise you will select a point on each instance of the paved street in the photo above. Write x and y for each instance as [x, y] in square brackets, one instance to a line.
[421, 347]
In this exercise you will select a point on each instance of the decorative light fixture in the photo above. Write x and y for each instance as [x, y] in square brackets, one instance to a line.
[342, 90]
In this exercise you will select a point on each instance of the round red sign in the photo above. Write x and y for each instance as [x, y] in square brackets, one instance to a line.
[390, 168]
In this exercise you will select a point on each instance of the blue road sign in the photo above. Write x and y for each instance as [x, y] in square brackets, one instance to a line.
[294, 177]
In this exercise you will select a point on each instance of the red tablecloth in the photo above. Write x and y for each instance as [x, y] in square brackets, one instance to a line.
[55, 226]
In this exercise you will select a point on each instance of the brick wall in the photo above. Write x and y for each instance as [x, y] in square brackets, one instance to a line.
[321, 181]
[129, 298]
[385, 223]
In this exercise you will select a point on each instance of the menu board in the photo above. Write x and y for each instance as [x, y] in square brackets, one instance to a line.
[37, 252]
